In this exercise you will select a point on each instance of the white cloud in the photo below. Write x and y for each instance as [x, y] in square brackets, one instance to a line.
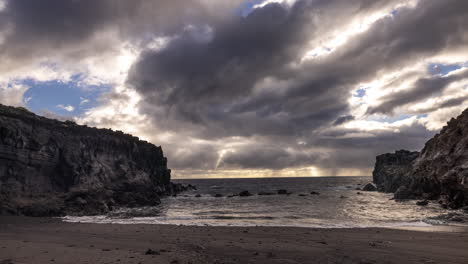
[12, 94]
[83, 101]
[284, 2]
[439, 118]
[68, 108]
[331, 40]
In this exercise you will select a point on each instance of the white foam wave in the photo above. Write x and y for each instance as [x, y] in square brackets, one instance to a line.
[189, 221]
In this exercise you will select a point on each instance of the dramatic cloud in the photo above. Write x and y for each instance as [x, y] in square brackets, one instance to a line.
[263, 88]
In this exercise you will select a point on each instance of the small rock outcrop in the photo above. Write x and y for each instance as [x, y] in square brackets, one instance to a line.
[370, 188]
[440, 171]
[245, 194]
[49, 167]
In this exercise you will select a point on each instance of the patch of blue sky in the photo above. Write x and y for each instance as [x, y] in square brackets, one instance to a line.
[444, 69]
[361, 92]
[62, 98]
[247, 7]
[393, 119]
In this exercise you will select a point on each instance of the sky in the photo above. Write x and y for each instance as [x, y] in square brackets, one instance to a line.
[238, 88]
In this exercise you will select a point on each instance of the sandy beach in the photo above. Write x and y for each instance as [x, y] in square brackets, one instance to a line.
[48, 240]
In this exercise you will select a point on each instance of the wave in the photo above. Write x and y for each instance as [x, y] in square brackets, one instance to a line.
[217, 221]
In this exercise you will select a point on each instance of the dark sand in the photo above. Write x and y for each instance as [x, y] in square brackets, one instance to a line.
[45, 240]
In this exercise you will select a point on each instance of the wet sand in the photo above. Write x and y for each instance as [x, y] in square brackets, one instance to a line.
[46, 240]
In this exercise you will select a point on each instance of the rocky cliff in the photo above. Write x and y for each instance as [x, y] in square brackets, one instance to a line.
[48, 167]
[440, 171]
[391, 169]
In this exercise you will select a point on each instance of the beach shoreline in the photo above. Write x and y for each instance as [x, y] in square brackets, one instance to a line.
[50, 240]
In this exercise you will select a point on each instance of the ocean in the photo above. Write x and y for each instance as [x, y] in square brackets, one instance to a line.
[339, 204]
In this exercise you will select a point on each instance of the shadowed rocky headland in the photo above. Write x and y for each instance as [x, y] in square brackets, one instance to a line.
[52, 168]
[439, 171]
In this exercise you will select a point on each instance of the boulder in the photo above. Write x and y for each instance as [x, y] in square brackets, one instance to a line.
[403, 193]
[422, 203]
[266, 193]
[245, 193]
[370, 188]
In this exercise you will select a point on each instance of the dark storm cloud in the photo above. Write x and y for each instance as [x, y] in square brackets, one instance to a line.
[52, 25]
[422, 89]
[343, 119]
[75, 28]
[445, 104]
[213, 84]
[358, 151]
[272, 156]
[241, 82]
[224, 76]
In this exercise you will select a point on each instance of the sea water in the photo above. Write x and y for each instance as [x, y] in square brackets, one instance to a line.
[339, 204]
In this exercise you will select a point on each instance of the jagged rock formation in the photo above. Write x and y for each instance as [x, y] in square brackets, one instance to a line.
[48, 167]
[439, 171]
[390, 169]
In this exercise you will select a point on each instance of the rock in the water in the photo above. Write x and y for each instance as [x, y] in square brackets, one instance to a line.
[391, 169]
[314, 193]
[422, 203]
[152, 252]
[370, 188]
[403, 193]
[198, 195]
[266, 193]
[245, 193]
[283, 191]
[52, 168]
[218, 195]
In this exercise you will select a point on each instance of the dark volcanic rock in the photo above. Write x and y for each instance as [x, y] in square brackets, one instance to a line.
[245, 193]
[370, 188]
[422, 203]
[152, 252]
[266, 193]
[283, 192]
[48, 167]
[403, 193]
[442, 167]
[439, 171]
[391, 169]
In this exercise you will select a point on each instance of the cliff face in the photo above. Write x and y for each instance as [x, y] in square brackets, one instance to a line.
[442, 167]
[439, 171]
[48, 167]
[391, 169]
